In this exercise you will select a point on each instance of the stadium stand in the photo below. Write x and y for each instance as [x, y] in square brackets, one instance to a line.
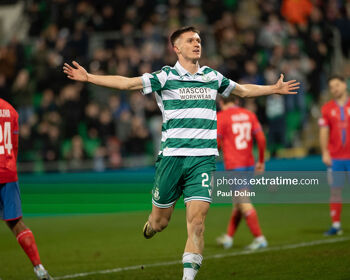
[65, 125]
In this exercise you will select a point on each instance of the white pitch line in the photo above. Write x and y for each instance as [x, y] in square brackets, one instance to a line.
[216, 256]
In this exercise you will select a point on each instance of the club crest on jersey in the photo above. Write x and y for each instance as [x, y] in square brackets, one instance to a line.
[194, 93]
[156, 194]
[206, 78]
[349, 111]
[333, 113]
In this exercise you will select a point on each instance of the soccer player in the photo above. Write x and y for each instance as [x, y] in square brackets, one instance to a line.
[236, 129]
[335, 144]
[186, 96]
[10, 201]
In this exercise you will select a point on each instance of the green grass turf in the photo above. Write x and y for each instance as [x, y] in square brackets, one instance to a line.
[72, 244]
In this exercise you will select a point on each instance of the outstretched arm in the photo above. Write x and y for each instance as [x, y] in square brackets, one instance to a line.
[280, 87]
[78, 73]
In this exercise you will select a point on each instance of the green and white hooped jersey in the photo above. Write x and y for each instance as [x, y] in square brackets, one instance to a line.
[188, 106]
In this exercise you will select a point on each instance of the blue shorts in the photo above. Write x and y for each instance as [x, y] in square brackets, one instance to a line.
[248, 168]
[340, 168]
[245, 174]
[10, 201]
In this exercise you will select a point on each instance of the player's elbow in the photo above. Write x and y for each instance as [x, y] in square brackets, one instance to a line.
[241, 91]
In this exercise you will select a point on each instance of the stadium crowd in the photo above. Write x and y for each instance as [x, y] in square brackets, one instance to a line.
[247, 41]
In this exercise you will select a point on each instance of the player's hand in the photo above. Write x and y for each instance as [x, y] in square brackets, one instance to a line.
[78, 73]
[259, 168]
[326, 158]
[289, 87]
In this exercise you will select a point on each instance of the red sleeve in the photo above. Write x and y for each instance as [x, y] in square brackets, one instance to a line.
[261, 142]
[323, 121]
[220, 128]
[260, 137]
[256, 125]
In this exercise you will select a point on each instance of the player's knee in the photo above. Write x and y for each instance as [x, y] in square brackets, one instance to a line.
[160, 224]
[245, 207]
[16, 226]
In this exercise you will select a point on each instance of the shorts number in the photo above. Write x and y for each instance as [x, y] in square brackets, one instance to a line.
[206, 179]
[5, 137]
[243, 131]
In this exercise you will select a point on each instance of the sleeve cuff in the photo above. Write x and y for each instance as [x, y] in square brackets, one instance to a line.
[147, 87]
[322, 122]
[230, 88]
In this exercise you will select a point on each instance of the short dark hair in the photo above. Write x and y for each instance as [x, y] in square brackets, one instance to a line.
[232, 99]
[177, 33]
[336, 77]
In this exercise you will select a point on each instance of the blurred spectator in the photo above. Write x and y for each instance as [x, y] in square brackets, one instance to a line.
[296, 66]
[106, 128]
[296, 11]
[276, 116]
[92, 112]
[339, 14]
[26, 144]
[51, 147]
[47, 104]
[75, 153]
[252, 76]
[113, 152]
[139, 136]
[273, 32]
[124, 126]
[117, 106]
[23, 92]
[70, 109]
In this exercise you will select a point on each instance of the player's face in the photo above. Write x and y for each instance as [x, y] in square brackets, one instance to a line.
[337, 88]
[189, 45]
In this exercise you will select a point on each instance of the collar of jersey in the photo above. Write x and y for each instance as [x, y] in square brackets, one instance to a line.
[183, 72]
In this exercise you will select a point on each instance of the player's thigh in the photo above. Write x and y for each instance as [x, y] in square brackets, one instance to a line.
[166, 189]
[338, 173]
[10, 201]
[245, 207]
[198, 178]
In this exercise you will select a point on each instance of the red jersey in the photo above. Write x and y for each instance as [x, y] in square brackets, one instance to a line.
[8, 142]
[236, 127]
[337, 119]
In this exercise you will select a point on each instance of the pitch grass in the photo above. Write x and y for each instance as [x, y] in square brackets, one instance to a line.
[84, 243]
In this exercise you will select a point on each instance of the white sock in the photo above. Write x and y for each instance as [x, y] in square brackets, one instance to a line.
[336, 225]
[191, 263]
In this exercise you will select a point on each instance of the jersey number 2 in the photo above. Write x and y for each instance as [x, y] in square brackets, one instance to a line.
[243, 131]
[5, 138]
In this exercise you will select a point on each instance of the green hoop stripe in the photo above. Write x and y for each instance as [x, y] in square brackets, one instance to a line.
[195, 266]
[185, 104]
[174, 84]
[191, 143]
[189, 123]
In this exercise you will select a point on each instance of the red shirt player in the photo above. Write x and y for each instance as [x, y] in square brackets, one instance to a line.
[236, 128]
[10, 202]
[335, 144]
